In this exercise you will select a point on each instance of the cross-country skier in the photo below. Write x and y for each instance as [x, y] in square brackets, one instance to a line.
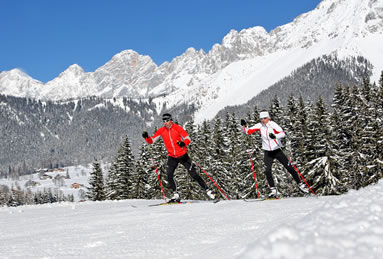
[176, 139]
[271, 133]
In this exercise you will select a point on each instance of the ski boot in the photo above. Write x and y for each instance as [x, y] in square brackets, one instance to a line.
[303, 188]
[175, 198]
[210, 193]
[273, 193]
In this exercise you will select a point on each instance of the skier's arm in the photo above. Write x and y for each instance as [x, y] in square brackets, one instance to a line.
[253, 129]
[154, 138]
[277, 130]
[184, 135]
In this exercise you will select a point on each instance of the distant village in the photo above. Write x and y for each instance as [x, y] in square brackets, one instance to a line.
[58, 179]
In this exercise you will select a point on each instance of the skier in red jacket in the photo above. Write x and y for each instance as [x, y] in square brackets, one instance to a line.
[176, 140]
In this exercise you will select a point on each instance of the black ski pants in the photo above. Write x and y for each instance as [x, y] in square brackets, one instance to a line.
[190, 167]
[268, 159]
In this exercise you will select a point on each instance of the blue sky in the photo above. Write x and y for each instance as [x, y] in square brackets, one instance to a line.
[44, 37]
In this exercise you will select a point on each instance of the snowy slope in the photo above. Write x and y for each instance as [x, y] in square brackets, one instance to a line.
[347, 226]
[244, 64]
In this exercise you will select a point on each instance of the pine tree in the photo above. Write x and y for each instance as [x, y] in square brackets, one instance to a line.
[276, 111]
[299, 134]
[368, 133]
[237, 154]
[291, 126]
[357, 158]
[120, 177]
[205, 148]
[323, 173]
[378, 149]
[341, 135]
[111, 188]
[219, 163]
[140, 188]
[96, 190]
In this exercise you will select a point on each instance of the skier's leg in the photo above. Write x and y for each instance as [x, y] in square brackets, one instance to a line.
[190, 166]
[286, 163]
[172, 165]
[268, 160]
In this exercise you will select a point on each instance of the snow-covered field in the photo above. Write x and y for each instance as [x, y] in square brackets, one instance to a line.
[347, 226]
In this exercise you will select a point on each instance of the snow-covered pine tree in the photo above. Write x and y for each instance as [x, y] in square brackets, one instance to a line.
[111, 184]
[291, 126]
[204, 147]
[323, 172]
[310, 138]
[141, 188]
[344, 110]
[378, 106]
[357, 157]
[120, 177]
[276, 112]
[341, 137]
[219, 161]
[299, 134]
[96, 190]
[368, 133]
[237, 155]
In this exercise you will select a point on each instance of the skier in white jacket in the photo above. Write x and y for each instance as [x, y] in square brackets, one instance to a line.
[271, 134]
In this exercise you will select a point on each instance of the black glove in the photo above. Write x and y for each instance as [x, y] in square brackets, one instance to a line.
[181, 143]
[243, 122]
[145, 134]
[272, 136]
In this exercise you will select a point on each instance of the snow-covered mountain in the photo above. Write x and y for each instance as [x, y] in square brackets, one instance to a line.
[243, 65]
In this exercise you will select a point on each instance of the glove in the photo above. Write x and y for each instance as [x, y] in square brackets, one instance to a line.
[243, 122]
[145, 134]
[181, 143]
[272, 136]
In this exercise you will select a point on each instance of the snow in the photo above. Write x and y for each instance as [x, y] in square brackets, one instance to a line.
[347, 226]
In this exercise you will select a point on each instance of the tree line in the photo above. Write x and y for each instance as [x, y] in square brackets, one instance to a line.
[15, 196]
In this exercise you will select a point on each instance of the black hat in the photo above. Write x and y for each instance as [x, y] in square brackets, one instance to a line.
[167, 116]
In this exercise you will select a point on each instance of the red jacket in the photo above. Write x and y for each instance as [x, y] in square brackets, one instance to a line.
[171, 137]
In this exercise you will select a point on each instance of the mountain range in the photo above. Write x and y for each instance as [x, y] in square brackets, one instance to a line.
[231, 73]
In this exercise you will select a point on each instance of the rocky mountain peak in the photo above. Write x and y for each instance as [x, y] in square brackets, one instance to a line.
[332, 25]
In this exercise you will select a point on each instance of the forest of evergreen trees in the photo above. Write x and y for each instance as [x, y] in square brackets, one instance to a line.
[335, 148]
[15, 196]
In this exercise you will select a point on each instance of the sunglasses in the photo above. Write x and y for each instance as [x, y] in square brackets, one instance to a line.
[166, 120]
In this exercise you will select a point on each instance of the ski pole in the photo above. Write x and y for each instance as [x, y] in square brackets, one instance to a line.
[252, 167]
[158, 176]
[212, 181]
[296, 169]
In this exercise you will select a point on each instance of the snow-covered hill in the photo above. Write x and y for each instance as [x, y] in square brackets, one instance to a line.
[243, 65]
[347, 226]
